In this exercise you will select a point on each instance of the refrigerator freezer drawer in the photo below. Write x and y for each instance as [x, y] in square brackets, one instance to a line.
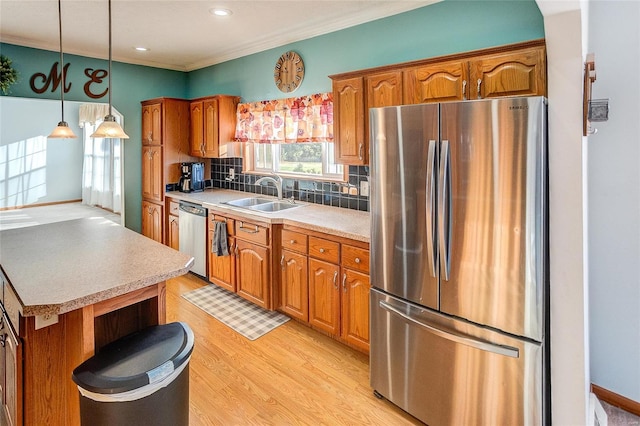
[449, 372]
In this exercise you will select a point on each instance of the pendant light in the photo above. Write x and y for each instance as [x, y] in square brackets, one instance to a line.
[109, 127]
[62, 131]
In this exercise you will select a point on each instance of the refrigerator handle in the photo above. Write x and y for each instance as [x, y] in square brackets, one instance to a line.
[444, 210]
[453, 336]
[431, 187]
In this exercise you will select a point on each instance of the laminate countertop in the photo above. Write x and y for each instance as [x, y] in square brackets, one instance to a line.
[337, 221]
[59, 267]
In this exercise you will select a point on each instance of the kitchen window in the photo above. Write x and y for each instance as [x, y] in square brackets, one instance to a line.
[303, 160]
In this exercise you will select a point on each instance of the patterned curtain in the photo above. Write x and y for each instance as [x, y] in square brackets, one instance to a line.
[290, 120]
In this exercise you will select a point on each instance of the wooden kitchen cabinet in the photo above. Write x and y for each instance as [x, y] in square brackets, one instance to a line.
[511, 70]
[222, 268]
[213, 121]
[12, 395]
[324, 281]
[518, 73]
[440, 82]
[324, 296]
[294, 281]
[247, 269]
[173, 224]
[152, 188]
[165, 144]
[152, 217]
[152, 123]
[252, 272]
[348, 124]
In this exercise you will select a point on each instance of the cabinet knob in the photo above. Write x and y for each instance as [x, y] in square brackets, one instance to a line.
[292, 242]
[479, 85]
[357, 260]
[361, 151]
[321, 250]
[282, 260]
[344, 282]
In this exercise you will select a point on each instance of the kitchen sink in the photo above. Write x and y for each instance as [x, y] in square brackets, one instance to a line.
[248, 202]
[274, 206]
[262, 204]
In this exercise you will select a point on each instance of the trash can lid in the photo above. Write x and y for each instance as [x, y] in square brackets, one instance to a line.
[139, 359]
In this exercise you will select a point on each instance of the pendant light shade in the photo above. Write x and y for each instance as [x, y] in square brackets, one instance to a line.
[62, 131]
[109, 127]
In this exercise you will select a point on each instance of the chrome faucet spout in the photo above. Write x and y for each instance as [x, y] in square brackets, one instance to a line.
[276, 181]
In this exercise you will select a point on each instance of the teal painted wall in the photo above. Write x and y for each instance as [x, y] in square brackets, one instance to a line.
[131, 84]
[447, 27]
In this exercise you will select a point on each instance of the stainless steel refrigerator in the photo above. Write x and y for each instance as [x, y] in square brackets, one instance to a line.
[459, 317]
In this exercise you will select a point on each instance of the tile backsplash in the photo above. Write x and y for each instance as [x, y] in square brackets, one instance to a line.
[351, 195]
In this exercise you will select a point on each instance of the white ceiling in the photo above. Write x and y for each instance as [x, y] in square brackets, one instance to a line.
[181, 34]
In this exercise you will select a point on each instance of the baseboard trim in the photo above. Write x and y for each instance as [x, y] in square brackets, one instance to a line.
[613, 398]
[39, 205]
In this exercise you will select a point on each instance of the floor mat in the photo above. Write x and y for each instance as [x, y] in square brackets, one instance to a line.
[248, 319]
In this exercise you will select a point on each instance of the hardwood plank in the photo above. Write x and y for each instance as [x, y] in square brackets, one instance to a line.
[292, 375]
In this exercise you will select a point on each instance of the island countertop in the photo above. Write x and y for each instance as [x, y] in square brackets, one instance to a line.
[59, 267]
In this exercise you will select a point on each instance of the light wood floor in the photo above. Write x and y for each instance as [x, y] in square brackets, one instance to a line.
[290, 376]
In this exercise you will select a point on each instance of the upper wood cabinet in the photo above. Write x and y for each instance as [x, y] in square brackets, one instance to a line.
[152, 188]
[513, 70]
[152, 124]
[520, 73]
[213, 122]
[348, 123]
[441, 82]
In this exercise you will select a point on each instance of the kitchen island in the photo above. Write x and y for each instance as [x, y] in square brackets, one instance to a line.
[68, 289]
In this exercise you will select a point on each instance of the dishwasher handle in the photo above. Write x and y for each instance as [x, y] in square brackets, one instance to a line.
[191, 208]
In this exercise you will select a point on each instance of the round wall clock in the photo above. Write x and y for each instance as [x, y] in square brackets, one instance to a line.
[288, 72]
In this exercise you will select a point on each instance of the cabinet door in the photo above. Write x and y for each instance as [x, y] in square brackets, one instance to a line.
[152, 124]
[211, 140]
[222, 269]
[384, 89]
[196, 136]
[519, 73]
[294, 289]
[152, 215]
[436, 83]
[173, 235]
[355, 308]
[324, 296]
[12, 400]
[152, 173]
[348, 124]
[252, 273]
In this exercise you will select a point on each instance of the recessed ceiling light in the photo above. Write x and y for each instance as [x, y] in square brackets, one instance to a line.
[141, 49]
[220, 12]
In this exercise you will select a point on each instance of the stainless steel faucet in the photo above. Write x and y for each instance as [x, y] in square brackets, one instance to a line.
[276, 181]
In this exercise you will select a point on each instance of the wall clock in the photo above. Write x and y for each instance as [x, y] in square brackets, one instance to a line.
[288, 72]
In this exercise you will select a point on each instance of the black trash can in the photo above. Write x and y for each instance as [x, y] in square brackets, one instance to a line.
[140, 379]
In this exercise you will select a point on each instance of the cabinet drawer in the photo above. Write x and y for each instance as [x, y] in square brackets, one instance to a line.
[295, 241]
[251, 232]
[217, 218]
[324, 249]
[174, 208]
[355, 258]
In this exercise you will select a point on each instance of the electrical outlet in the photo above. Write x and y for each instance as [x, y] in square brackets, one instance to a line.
[232, 174]
[364, 188]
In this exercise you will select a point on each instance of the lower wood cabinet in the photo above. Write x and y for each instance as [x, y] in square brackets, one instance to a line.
[324, 281]
[173, 225]
[12, 383]
[247, 269]
[152, 217]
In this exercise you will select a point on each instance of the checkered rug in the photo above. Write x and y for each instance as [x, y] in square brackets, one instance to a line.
[248, 319]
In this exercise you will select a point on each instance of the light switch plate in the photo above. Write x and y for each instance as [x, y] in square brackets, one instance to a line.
[364, 188]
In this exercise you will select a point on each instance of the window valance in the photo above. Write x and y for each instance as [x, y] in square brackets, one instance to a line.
[95, 113]
[290, 120]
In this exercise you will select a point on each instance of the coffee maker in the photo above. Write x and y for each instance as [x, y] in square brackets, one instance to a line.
[192, 177]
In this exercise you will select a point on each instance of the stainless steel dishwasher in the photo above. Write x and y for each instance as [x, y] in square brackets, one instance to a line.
[192, 229]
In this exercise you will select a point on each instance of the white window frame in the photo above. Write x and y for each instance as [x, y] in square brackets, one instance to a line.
[326, 157]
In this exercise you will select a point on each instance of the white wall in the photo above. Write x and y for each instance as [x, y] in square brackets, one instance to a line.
[34, 169]
[614, 200]
[564, 33]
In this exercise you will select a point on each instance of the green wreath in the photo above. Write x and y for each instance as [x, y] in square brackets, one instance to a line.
[8, 74]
